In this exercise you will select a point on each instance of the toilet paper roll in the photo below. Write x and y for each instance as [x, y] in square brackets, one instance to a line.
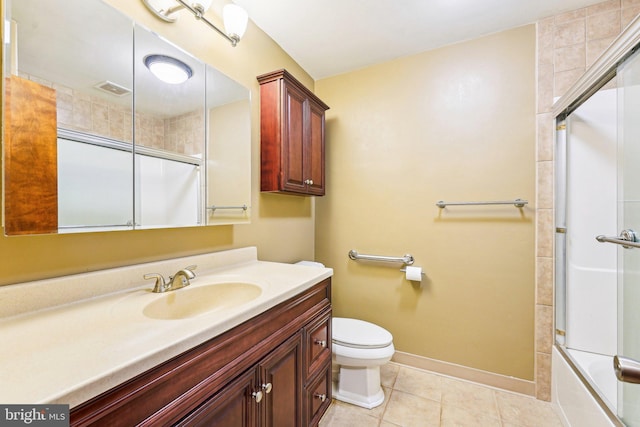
[414, 274]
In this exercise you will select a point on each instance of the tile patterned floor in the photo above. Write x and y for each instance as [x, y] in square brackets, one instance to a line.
[416, 398]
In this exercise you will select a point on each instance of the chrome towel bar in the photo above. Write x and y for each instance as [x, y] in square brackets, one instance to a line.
[214, 207]
[628, 239]
[406, 259]
[518, 203]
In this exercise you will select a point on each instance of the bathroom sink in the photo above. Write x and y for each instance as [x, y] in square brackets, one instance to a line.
[190, 302]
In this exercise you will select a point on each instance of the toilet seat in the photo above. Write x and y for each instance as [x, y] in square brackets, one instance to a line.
[355, 333]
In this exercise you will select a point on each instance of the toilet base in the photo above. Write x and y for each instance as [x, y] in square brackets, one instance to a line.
[358, 386]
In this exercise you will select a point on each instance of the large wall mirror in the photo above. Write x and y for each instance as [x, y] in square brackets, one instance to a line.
[94, 141]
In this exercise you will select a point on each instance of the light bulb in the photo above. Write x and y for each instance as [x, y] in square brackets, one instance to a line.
[168, 69]
[201, 5]
[235, 20]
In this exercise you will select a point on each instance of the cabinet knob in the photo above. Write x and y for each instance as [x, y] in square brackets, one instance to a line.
[322, 397]
[321, 343]
[257, 395]
[308, 181]
[267, 388]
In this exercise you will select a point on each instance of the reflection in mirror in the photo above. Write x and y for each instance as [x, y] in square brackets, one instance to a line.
[169, 135]
[81, 156]
[229, 150]
[45, 184]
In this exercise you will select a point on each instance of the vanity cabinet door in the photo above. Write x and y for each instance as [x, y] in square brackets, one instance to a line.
[270, 394]
[281, 381]
[234, 406]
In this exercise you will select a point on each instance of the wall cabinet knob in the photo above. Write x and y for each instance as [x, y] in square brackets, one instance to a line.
[322, 397]
[308, 181]
[257, 395]
[321, 343]
[267, 388]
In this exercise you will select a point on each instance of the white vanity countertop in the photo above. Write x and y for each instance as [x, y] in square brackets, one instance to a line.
[73, 352]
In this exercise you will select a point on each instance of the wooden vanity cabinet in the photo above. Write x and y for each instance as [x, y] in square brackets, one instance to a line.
[268, 395]
[292, 136]
[268, 371]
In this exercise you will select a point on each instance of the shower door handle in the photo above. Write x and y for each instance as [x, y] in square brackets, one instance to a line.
[627, 370]
[628, 239]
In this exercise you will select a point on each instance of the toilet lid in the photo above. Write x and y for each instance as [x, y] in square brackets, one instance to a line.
[359, 334]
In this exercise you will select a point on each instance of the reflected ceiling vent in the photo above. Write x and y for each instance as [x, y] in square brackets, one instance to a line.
[112, 88]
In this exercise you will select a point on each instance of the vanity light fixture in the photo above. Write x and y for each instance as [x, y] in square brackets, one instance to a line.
[235, 18]
[169, 70]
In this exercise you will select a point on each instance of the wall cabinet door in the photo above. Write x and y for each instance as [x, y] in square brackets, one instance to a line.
[294, 172]
[314, 156]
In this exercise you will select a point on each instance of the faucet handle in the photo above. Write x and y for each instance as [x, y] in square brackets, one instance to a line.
[189, 270]
[160, 285]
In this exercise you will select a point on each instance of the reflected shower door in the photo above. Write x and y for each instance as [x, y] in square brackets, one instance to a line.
[629, 219]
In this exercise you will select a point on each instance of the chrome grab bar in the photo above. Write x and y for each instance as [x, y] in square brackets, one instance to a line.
[407, 259]
[628, 239]
[518, 203]
[627, 370]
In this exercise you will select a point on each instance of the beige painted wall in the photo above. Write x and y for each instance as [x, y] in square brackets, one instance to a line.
[34, 257]
[457, 123]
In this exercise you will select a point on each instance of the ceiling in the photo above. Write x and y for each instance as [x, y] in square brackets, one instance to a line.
[331, 37]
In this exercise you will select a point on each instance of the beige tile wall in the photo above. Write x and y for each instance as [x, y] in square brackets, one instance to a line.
[79, 111]
[185, 134]
[567, 45]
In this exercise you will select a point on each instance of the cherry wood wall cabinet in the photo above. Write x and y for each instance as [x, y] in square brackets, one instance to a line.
[292, 136]
[273, 370]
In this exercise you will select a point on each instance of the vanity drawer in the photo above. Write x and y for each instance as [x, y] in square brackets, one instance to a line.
[318, 396]
[317, 349]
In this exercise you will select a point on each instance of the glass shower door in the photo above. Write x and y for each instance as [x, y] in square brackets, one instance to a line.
[629, 256]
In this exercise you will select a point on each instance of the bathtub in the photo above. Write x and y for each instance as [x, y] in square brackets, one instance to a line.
[598, 370]
[573, 389]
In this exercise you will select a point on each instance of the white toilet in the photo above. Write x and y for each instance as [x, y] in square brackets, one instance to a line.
[359, 348]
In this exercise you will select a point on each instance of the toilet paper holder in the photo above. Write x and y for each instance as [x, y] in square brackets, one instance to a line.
[404, 270]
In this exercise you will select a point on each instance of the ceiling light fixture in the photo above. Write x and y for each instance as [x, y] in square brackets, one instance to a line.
[235, 18]
[169, 70]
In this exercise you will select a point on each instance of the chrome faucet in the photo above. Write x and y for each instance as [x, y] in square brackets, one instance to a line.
[179, 280]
